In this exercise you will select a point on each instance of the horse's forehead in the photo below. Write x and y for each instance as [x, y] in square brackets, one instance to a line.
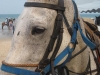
[38, 14]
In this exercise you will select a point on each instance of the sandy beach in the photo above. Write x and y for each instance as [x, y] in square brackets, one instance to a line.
[4, 48]
[89, 20]
[5, 42]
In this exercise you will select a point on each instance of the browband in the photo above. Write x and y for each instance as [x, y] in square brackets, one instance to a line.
[44, 5]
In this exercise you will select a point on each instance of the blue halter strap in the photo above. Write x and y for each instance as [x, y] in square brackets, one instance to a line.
[67, 51]
[77, 24]
[17, 71]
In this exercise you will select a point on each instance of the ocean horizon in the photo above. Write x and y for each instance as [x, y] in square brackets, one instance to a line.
[4, 16]
[87, 15]
[83, 15]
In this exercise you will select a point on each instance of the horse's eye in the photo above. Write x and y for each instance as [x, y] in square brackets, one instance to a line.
[37, 30]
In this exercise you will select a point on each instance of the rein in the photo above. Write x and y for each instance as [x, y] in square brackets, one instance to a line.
[20, 65]
[46, 65]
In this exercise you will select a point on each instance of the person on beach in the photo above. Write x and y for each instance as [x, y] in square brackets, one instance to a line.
[7, 21]
[13, 25]
[10, 24]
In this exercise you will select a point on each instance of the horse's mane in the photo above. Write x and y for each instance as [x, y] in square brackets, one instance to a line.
[93, 27]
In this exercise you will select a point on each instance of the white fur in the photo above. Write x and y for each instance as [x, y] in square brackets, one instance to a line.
[28, 48]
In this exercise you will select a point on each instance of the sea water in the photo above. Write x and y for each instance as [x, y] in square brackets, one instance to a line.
[9, 16]
[6, 33]
[89, 15]
[4, 16]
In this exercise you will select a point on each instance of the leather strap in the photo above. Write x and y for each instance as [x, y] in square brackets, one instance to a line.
[67, 25]
[57, 34]
[44, 5]
[20, 65]
[17, 71]
[83, 49]
[86, 71]
[94, 28]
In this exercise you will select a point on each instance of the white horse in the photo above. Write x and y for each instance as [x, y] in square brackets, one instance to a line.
[28, 48]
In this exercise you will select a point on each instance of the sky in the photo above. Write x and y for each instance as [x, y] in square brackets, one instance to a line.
[16, 6]
[11, 6]
[88, 4]
[79, 2]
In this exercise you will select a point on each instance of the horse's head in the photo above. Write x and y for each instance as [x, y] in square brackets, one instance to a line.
[34, 28]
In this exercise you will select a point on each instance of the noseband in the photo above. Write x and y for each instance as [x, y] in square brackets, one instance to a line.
[46, 65]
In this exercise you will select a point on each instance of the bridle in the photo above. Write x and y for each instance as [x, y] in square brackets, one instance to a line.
[46, 65]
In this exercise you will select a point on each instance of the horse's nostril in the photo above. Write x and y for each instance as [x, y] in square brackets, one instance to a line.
[18, 33]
